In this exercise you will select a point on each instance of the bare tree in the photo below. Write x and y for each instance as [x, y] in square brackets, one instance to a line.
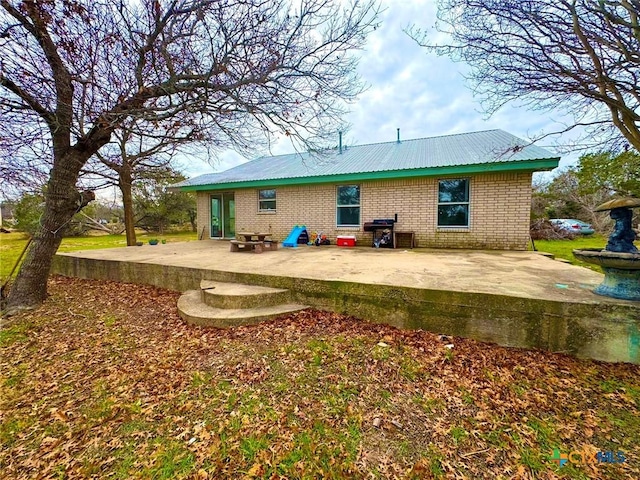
[566, 197]
[71, 72]
[136, 149]
[582, 56]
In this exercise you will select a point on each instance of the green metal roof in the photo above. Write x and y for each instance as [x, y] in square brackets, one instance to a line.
[462, 154]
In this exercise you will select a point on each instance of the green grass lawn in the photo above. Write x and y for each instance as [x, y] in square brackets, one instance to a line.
[12, 244]
[564, 248]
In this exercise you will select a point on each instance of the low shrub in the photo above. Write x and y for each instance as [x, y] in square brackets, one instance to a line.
[543, 229]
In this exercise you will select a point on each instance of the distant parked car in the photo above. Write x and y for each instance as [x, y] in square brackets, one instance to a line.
[573, 225]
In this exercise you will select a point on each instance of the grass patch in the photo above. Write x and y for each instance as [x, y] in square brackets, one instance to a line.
[109, 320]
[12, 244]
[467, 396]
[458, 434]
[533, 460]
[251, 445]
[544, 431]
[14, 333]
[71, 244]
[125, 464]
[16, 376]
[10, 428]
[321, 451]
[496, 438]
[171, 460]
[564, 248]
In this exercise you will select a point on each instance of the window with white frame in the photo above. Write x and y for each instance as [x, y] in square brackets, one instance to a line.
[348, 206]
[453, 202]
[267, 200]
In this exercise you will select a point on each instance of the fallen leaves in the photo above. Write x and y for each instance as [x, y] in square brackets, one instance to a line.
[104, 380]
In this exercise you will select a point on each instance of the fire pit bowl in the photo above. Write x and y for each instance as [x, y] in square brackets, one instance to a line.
[621, 272]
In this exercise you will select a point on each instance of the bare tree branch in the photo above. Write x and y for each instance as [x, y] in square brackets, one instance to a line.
[580, 56]
[235, 73]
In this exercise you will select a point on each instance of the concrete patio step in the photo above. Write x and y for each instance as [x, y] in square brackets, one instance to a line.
[237, 295]
[193, 310]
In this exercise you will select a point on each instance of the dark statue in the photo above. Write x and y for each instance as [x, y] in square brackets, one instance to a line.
[620, 260]
[621, 240]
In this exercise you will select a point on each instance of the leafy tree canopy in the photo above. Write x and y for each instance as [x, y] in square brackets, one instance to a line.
[27, 212]
[578, 190]
[156, 207]
[618, 173]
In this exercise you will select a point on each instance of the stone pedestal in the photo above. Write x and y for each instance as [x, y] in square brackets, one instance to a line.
[622, 284]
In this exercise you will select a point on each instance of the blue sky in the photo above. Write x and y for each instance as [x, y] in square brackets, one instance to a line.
[422, 94]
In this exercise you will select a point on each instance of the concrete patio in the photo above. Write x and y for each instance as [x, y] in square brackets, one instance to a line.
[512, 298]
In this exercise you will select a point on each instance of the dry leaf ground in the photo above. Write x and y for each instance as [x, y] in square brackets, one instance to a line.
[105, 381]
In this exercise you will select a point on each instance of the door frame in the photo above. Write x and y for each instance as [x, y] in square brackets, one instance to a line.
[227, 221]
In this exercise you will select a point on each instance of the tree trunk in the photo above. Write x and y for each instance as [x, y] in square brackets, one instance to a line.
[193, 215]
[62, 201]
[124, 174]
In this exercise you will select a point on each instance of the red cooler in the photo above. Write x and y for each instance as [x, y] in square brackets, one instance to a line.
[346, 241]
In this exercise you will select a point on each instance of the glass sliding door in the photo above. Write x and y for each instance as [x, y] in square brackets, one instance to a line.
[229, 215]
[223, 216]
[216, 216]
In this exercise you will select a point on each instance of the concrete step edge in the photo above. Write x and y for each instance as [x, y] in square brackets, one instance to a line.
[225, 288]
[192, 310]
[240, 296]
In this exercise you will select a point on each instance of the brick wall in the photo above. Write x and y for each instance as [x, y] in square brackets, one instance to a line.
[500, 205]
[202, 219]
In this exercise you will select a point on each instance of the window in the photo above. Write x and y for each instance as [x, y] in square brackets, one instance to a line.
[348, 205]
[266, 200]
[453, 202]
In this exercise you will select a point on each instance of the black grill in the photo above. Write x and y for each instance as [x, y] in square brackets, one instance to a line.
[379, 224]
[380, 237]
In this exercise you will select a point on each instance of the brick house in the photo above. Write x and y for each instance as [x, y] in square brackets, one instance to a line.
[468, 190]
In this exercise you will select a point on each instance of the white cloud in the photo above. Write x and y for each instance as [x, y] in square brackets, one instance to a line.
[422, 94]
